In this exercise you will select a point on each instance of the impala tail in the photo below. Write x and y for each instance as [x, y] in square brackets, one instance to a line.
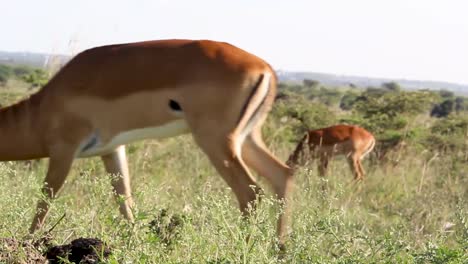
[369, 148]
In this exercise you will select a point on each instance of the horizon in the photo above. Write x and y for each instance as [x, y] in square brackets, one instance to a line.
[464, 85]
[420, 40]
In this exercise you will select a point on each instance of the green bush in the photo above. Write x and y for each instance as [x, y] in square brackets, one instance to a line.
[36, 78]
[5, 73]
[348, 100]
[310, 115]
[453, 125]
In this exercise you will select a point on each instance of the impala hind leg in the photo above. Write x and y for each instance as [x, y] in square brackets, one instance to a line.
[116, 165]
[60, 162]
[361, 169]
[354, 164]
[279, 175]
[222, 152]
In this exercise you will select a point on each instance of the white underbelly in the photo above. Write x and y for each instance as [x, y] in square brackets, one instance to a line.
[94, 147]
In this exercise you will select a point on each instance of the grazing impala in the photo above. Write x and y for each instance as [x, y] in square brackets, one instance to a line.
[113, 95]
[352, 141]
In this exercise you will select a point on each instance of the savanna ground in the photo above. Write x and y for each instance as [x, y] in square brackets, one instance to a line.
[411, 208]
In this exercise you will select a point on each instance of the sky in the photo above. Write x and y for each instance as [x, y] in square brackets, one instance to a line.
[411, 39]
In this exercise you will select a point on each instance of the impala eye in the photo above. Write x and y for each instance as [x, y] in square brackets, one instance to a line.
[175, 106]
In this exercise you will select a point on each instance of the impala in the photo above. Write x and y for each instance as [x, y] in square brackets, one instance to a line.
[109, 96]
[352, 141]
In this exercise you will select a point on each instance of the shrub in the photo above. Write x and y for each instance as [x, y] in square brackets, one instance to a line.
[5, 73]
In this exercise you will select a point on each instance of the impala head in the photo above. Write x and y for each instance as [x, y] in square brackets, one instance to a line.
[294, 159]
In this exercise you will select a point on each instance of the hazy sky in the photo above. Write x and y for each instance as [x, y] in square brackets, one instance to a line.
[414, 39]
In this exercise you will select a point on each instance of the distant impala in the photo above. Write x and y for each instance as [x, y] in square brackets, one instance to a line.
[109, 96]
[352, 141]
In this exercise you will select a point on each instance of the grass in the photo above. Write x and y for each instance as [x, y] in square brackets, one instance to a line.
[415, 212]
[395, 216]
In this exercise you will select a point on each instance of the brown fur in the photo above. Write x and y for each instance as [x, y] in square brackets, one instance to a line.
[352, 141]
[112, 89]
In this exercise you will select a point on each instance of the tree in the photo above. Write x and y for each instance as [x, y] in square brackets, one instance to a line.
[392, 86]
[348, 100]
[5, 73]
[310, 83]
[375, 91]
[37, 78]
[460, 104]
[329, 97]
[449, 134]
[443, 109]
[22, 70]
[391, 111]
[446, 93]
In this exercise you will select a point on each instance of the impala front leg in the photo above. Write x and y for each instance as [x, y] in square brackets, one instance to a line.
[60, 162]
[116, 165]
[323, 164]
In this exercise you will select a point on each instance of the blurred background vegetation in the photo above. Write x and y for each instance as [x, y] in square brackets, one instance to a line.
[436, 121]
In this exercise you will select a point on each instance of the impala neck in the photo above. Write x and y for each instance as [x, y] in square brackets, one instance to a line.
[294, 158]
[19, 132]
